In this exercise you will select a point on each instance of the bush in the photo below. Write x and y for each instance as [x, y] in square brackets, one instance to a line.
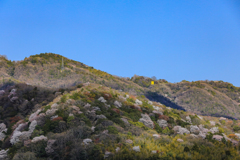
[112, 130]
[119, 122]
[158, 128]
[63, 98]
[236, 128]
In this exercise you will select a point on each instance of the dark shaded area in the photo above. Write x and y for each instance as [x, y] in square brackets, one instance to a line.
[153, 96]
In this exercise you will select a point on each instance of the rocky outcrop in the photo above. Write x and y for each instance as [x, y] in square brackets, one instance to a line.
[212, 123]
[138, 102]
[117, 149]
[180, 130]
[40, 138]
[157, 112]
[146, 120]
[118, 104]
[49, 149]
[162, 123]
[136, 148]
[194, 129]
[2, 129]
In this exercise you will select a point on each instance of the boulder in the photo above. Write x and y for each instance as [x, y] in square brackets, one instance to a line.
[129, 141]
[49, 148]
[162, 123]
[194, 129]
[156, 136]
[118, 104]
[93, 128]
[138, 102]
[96, 108]
[146, 120]
[157, 108]
[87, 106]
[179, 140]
[136, 148]
[193, 135]
[87, 141]
[238, 135]
[40, 138]
[54, 106]
[51, 112]
[222, 119]
[180, 130]
[3, 127]
[34, 115]
[188, 119]
[101, 99]
[217, 137]
[122, 98]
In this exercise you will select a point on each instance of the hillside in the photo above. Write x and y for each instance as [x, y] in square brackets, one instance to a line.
[97, 122]
[201, 97]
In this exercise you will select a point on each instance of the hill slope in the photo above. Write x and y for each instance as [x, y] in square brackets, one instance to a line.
[201, 97]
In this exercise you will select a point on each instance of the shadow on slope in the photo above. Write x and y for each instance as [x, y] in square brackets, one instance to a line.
[153, 96]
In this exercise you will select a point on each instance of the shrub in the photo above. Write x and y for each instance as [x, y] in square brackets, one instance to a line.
[112, 130]
[166, 131]
[63, 98]
[57, 119]
[236, 128]
[158, 128]
[70, 118]
[119, 122]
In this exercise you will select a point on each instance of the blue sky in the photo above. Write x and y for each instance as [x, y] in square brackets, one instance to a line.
[173, 40]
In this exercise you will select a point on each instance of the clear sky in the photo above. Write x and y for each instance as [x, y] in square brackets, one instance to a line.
[170, 39]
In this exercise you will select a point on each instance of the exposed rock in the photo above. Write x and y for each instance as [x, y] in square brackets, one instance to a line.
[150, 102]
[179, 140]
[93, 128]
[162, 123]
[212, 123]
[101, 117]
[138, 102]
[188, 119]
[156, 136]
[118, 104]
[14, 99]
[49, 148]
[136, 106]
[136, 148]
[157, 108]
[86, 84]
[2, 127]
[146, 120]
[3, 154]
[107, 154]
[77, 109]
[214, 130]
[180, 130]
[41, 119]
[40, 138]
[125, 121]
[127, 96]
[129, 141]
[117, 149]
[87, 141]
[101, 99]
[105, 132]
[2, 136]
[217, 137]
[194, 129]
[202, 129]
[71, 115]
[123, 98]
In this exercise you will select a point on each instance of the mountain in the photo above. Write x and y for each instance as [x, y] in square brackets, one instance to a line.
[96, 122]
[216, 98]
